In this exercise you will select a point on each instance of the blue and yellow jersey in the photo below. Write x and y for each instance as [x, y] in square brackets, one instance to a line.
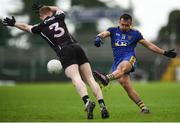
[123, 44]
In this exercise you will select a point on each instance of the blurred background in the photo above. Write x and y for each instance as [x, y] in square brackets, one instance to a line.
[23, 56]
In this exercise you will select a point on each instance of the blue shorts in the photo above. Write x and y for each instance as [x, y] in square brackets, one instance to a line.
[130, 58]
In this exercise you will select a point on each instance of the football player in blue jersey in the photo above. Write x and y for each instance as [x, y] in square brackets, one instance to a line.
[123, 42]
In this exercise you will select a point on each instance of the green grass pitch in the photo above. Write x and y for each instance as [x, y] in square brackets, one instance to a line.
[60, 102]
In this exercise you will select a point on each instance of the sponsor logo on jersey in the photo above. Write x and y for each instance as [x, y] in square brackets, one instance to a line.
[122, 43]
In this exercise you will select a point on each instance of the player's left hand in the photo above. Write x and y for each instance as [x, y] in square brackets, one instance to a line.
[98, 41]
[170, 53]
[9, 22]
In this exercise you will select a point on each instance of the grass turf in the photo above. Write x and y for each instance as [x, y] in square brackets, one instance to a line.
[60, 102]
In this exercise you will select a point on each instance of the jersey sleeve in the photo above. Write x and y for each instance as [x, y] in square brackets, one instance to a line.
[140, 38]
[36, 29]
[110, 29]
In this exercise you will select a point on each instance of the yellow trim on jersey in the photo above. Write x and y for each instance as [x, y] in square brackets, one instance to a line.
[132, 60]
[140, 41]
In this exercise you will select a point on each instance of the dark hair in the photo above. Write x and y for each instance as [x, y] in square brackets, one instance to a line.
[126, 17]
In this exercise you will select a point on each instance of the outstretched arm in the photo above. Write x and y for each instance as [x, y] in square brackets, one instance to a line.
[23, 26]
[104, 34]
[12, 22]
[152, 47]
[156, 49]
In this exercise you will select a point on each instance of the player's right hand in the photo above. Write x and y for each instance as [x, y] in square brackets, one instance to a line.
[98, 41]
[36, 7]
[8, 21]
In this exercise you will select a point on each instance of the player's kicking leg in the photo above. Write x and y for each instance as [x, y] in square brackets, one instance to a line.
[103, 78]
[122, 68]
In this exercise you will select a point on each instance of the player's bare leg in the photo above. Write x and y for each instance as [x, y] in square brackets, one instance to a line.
[86, 72]
[126, 84]
[87, 75]
[122, 68]
[73, 73]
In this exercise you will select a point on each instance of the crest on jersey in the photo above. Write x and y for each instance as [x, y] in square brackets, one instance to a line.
[130, 37]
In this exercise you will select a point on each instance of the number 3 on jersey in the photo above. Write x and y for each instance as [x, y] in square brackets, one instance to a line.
[55, 27]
